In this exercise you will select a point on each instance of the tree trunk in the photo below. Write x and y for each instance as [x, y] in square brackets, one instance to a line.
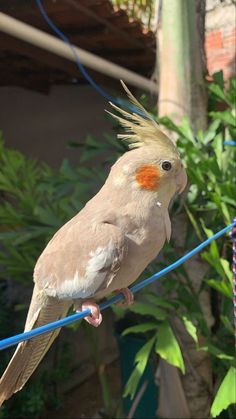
[182, 93]
[181, 89]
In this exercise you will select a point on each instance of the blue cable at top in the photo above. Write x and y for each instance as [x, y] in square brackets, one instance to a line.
[99, 89]
[14, 340]
[86, 75]
[78, 62]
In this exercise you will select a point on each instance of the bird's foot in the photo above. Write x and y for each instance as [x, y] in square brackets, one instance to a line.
[129, 297]
[95, 318]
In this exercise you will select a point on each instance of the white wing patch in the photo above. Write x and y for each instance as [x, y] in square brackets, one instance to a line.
[97, 269]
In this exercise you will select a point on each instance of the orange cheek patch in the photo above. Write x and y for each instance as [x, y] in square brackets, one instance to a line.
[148, 177]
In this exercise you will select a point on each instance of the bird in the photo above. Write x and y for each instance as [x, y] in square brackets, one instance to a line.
[109, 243]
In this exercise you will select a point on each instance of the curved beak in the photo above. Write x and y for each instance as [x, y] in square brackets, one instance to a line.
[181, 180]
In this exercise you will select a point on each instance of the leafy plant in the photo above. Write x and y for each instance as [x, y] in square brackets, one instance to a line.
[143, 10]
[210, 202]
[36, 200]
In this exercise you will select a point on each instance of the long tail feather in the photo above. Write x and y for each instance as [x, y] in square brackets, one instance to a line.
[43, 309]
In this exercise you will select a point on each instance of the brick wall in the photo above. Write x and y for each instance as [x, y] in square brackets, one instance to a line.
[220, 38]
[220, 51]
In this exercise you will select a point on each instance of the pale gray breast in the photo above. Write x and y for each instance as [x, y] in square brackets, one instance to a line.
[144, 245]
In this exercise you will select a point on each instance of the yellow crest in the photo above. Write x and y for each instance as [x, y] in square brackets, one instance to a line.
[141, 129]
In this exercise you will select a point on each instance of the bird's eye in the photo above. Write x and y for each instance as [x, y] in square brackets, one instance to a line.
[166, 165]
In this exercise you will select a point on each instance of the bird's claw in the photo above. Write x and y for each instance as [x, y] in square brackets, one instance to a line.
[95, 318]
[129, 297]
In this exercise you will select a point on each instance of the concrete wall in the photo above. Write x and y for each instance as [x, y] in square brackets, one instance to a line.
[41, 125]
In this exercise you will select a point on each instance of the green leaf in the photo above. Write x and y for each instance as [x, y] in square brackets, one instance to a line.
[225, 212]
[167, 346]
[218, 92]
[118, 310]
[140, 328]
[226, 393]
[159, 301]
[141, 360]
[226, 116]
[20, 307]
[223, 287]
[46, 216]
[227, 269]
[74, 144]
[211, 132]
[191, 328]
[212, 256]
[217, 352]
[148, 310]
[218, 78]
[168, 123]
[194, 222]
[226, 322]
[186, 130]
[231, 92]
[218, 147]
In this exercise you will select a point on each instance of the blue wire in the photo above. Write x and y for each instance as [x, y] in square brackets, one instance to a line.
[92, 82]
[86, 75]
[233, 143]
[78, 62]
[14, 340]
[99, 89]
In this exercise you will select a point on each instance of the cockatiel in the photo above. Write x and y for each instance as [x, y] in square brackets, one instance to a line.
[107, 245]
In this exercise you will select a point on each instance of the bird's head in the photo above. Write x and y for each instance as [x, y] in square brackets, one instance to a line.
[153, 165]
